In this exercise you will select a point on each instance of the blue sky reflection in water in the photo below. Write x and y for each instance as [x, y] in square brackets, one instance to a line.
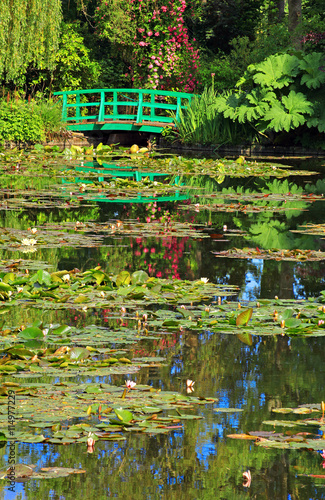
[199, 461]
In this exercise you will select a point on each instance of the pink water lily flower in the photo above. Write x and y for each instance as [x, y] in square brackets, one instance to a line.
[129, 384]
[247, 479]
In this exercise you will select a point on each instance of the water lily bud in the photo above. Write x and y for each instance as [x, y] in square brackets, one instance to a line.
[276, 297]
[257, 304]
[283, 323]
[239, 305]
[219, 301]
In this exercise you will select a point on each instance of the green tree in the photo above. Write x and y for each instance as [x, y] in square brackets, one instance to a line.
[29, 36]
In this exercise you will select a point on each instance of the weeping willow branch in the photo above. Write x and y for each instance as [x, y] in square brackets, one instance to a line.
[29, 34]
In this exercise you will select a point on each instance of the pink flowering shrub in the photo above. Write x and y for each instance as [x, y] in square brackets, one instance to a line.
[160, 53]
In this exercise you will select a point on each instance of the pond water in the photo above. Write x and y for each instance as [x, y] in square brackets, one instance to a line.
[245, 232]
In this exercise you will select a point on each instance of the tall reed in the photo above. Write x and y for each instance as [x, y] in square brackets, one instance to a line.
[200, 123]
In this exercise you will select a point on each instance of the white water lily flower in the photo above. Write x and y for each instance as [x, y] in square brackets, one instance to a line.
[66, 277]
[19, 289]
[189, 383]
[28, 241]
[33, 230]
[204, 280]
[129, 384]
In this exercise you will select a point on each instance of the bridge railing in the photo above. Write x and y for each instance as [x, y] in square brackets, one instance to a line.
[138, 105]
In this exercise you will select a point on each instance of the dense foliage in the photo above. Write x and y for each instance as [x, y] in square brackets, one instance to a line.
[278, 100]
[25, 122]
[175, 45]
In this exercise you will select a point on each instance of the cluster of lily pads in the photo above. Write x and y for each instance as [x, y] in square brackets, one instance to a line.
[48, 412]
[296, 255]
[305, 433]
[91, 234]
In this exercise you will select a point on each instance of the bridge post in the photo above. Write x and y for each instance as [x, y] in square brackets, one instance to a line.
[139, 115]
[153, 110]
[101, 114]
[78, 114]
[64, 107]
[179, 103]
[115, 109]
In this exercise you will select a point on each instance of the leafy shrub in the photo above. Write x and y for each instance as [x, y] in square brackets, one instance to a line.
[25, 122]
[20, 123]
[280, 94]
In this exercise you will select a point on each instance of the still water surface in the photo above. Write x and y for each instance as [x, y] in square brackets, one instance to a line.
[197, 461]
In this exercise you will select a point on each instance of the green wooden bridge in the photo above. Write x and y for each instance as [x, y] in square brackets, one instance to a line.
[138, 110]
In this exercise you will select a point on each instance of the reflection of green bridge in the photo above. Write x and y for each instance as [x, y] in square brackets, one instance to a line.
[113, 171]
[137, 110]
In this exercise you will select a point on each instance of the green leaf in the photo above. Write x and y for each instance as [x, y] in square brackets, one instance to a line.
[123, 278]
[277, 71]
[292, 323]
[5, 287]
[61, 330]
[139, 277]
[288, 114]
[244, 317]
[125, 416]
[313, 76]
[31, 332]
[42, 277]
